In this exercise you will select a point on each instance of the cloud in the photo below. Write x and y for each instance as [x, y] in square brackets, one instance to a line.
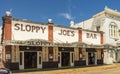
[66, 15]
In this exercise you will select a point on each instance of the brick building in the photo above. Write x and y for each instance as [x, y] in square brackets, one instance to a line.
[28, 44]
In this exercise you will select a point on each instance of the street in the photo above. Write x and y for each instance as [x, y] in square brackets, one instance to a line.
[107, 69]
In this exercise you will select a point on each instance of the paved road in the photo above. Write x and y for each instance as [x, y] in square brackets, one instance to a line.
[108, 69]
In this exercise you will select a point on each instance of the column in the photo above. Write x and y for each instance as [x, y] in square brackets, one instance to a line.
[17, 54]
[86, 58]
[7, 27]
[101, 37]
[80, 35]
[55, 54]
[59, 59]
[13, 54]
[50, 33]
[21, 64]
[71, 58]
[76, 51]
[45, 54]
[95, 58]
[39, 59]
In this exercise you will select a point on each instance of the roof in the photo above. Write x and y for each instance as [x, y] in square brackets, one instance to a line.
[41, 23]
[55, 25]
[108, 11]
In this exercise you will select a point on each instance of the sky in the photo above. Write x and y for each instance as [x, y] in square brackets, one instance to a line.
[60, 11]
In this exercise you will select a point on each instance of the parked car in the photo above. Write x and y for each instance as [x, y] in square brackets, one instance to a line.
[5, 71]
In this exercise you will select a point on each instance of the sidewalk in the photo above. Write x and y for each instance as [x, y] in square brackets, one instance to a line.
[74, 70]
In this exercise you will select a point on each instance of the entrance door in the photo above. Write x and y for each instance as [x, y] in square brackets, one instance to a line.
[30, 59]
[91, 58]
[65, 59]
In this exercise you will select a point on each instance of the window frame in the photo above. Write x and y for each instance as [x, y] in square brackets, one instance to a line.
[113, 30]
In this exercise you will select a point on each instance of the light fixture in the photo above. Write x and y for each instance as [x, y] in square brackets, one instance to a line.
[62, 48]
[27, 48]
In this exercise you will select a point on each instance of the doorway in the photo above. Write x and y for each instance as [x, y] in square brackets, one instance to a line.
[65, 58]
[91, 58]
[30, 59]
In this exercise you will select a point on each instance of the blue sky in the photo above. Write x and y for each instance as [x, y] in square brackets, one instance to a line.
[60, 11]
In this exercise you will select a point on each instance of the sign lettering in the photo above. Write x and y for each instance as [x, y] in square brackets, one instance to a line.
[66, 32]
[29, 28]
[91, 35]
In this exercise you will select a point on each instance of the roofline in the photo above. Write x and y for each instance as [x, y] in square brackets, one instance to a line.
[108, 11]
[28, 21]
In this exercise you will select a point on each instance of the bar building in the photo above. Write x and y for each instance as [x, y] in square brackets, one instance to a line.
[27, 44]
[107, 21]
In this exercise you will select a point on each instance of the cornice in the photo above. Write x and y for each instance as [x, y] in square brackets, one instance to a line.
[108, 11]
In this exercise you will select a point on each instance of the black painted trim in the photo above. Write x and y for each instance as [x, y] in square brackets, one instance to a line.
[65, 48]
[12, 66]
[80, 63]
[50, 64]
[99, 62]
[30, 48]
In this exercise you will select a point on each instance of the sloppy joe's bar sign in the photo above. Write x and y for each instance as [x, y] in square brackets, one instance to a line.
[24, 31]
[29, 28]
[65, 32]
[65, 35]
[90, 37]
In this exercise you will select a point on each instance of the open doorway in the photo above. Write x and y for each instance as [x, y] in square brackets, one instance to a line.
[30, 59]
[91, 58]
[65, 58]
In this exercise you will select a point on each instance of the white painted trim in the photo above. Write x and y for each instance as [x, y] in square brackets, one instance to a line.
[59, 64]
[95, 58]
[71, 63]
[22, 66]
[38, 65]
[39, 54]
[86, 58]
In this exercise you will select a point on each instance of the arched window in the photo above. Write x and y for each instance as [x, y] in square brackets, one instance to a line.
[113, 30]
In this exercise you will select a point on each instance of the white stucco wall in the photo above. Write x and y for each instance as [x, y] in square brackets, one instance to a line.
[109, 57]
[87, 24]
[103, 19]
[118, 58]
[107, 38]
[103, 27]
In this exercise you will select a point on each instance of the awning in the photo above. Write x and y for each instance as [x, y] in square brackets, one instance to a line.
[39, 42]
[110, 46]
